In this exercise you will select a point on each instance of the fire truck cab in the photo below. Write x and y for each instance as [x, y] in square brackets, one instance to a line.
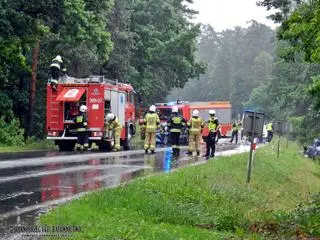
[101, 96]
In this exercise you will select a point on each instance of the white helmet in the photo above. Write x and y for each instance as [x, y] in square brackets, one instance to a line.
[58, 58]
[212, 112]
[152, 108]
[175, 109]
[110, 116]
[83, 108]
[195, 113]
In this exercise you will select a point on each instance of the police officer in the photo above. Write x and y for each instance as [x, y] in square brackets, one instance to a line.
[235, 131]
[55, 68]
[112, 124]
[269, 131]
[195, 125]
[151, 122]
[81, 122]
[213, 127]
[175, 123]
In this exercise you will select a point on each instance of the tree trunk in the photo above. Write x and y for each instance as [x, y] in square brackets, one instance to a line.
[32, 94]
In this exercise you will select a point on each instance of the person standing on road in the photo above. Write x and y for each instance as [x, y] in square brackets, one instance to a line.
[81, 121]
[195, 125]
[112, 124]
[56, 67]
[269, 131]
[235, 131]
[175, 123]
[213, 127]
[151, 122]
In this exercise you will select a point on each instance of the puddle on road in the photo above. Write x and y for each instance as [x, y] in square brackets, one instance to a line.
[32, 187]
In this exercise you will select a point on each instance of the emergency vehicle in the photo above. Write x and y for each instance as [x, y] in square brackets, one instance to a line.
[101, 96]
[222, 108]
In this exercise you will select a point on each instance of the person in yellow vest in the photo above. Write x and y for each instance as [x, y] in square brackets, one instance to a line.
[175, 123]
[235, 131]
[269, 131]
[112, 124]
[81, 121]
[151, 122]
[195, 125]
[213, 127]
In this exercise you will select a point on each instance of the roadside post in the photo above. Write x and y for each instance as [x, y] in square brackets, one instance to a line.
[280, 128]
[253, 127]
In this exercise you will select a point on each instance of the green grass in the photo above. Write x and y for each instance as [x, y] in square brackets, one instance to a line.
[30, 145]
[209, 201]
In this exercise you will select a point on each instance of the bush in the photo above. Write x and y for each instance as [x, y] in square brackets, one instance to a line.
[11, 133]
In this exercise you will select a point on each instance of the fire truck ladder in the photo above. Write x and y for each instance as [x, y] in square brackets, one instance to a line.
[54, 110]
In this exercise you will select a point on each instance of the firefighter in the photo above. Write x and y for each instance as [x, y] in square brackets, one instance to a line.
[235, 131]
[213, 127]
[195, 125]
[175, 123]
[112, 124]
[55, 68]
[269, 131]
[151, 122]
[81, 121]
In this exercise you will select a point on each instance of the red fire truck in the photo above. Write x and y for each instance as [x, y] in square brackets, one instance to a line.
[222, 108]
[101, 96]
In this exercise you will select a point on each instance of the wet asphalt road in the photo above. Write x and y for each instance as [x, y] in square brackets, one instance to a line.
[30, 186]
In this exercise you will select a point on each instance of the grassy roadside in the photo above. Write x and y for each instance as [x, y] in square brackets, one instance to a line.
[209, 201]
[30, 145]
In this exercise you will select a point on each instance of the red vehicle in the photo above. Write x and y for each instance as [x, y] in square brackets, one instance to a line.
[223, 110]
[101, 96]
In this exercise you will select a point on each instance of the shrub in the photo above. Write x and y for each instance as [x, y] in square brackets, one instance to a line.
[11, 133]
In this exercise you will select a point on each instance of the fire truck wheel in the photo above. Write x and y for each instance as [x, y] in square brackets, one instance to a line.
[66, 146]
[105, 146]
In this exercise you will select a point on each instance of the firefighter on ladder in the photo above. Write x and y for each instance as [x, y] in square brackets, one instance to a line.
[81, 121]
[195, 125]
[213, 126]
[113, 124]
[151, 122]
[175, 123]
[55, 68]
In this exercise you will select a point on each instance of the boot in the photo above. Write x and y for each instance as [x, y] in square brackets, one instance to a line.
[146, 151]
[198, 153]
[189, 153]
[153, 152]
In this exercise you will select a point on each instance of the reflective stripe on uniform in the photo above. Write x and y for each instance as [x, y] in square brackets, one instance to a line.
[55, 65]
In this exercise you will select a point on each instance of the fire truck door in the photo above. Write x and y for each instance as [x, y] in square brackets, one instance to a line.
[118, 104]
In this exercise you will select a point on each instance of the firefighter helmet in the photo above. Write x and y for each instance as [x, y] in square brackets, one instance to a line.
[174, 109]
[58, 58]
[212, 112]
[195, 113]
[109, 117]
[152, 108]
[83, 108]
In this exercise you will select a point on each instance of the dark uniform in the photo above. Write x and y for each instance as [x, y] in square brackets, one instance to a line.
[83, 135]
[235, 131]
[213, 126]
[175, 123]
[55, 67]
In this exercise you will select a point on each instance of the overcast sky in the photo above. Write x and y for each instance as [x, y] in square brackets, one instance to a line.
[224, 14]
